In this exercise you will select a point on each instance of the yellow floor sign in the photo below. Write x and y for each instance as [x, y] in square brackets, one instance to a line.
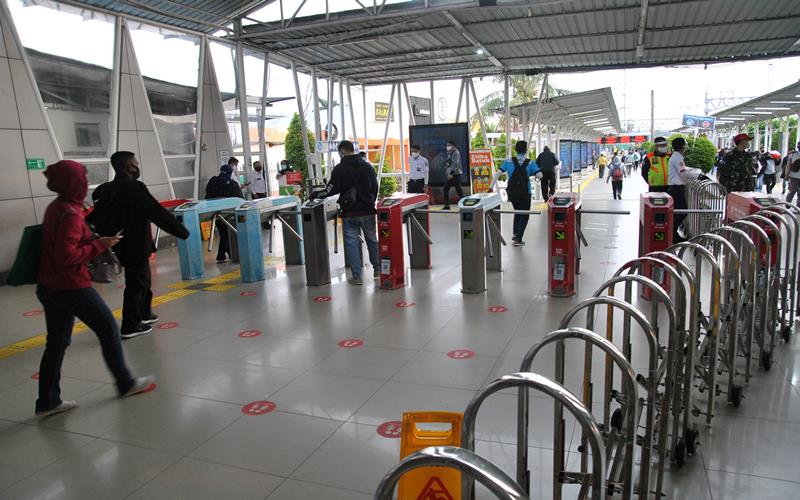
[420, 430]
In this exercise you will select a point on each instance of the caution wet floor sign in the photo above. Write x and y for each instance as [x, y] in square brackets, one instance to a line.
[421, 430]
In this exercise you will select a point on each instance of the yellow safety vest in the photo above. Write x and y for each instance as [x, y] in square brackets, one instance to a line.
[658, 174]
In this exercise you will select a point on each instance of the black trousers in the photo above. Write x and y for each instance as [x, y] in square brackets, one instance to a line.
[455, 182]
[416, 185]
[61, 307]
[137, 300]
[257, 196]
[224, 248]
[521, 220]
[678, 194]
[658, 189]
[548, 185]
[616, 189]
[769, 181]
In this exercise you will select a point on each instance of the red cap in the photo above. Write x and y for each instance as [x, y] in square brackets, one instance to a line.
[742, 137]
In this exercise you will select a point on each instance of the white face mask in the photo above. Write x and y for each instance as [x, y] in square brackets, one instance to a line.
[661, 149]
[449, 148]
[415, 155]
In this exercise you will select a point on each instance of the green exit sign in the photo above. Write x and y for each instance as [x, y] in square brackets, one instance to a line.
[35, 163]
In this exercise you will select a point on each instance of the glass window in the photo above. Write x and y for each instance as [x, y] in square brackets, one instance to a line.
[184, 190]
[97, 173]
[180, 167]
[71, 52]
[170, 62]
[254, 82]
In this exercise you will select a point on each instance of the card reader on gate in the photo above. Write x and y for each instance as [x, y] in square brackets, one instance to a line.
[480, 239]
[190, 250]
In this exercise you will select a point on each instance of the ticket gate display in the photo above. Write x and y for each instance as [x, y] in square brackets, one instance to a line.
[249, 219]
[655, 234]
[563, 260]
[190, 250]
[315, 216]
[740, 205]
[481, 240]
[392, 213]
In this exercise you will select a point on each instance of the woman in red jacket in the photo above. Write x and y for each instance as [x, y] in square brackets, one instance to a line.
[65, 289]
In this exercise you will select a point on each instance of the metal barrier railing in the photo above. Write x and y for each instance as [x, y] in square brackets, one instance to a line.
[704, 195]
[788, 268]
[770, 282]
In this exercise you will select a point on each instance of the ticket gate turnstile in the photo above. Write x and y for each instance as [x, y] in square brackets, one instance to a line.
[739, 205]
[563, 259]
[315, 216]
[249, 217]
[656, 232]
[190, 250]
[481, 239]
[392, 213]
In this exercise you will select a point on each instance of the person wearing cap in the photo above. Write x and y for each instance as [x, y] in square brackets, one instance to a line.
[737, 170]
[679, 173]
[655, 168]
[792, 171]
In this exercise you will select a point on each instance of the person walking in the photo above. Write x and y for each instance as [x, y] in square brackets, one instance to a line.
[616, 173]
[356, 183]
[256, 182]
[737, 170]
[222, 186]
[547, 162]
[133, 209]
[679, 173]
[601, 164]
[453, 169]
[793, 174]
[519, 169]
[637, 158]
[655, 168]
[769, 169]
[784, 167]
[418, 171]
[65, 290]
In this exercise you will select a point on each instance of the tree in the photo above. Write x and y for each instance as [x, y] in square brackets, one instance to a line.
[388, 184]
[294, 149]
[523, 88]
[702, 153]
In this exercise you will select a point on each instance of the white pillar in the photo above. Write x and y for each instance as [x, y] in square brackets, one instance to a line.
[402, 138]
[507, 99]
[303, 126]
[317, 125]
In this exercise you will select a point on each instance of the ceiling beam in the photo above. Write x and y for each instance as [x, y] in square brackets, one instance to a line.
[471, 39]
[642, 27]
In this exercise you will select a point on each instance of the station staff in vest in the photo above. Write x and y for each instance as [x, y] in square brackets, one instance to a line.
[679, 173]
[655, 168]
[519, 170]
[418, 171]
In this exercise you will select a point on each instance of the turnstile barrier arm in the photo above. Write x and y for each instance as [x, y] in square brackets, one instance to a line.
[211, 236]
[286, 225]
[421, 229]
[225, 221]
[496, 231]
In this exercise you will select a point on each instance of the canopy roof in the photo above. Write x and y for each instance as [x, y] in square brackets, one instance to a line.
[379, 42]
[592, 113]
[782, 102]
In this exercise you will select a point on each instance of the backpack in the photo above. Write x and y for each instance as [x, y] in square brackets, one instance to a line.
[519, 183]
[102, 219]
[616, 175]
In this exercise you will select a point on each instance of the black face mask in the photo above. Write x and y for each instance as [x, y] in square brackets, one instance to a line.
[257, 169]
[135, 173]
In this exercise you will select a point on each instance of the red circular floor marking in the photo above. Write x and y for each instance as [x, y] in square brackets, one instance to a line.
[248, 294]
[247, 334]
[168, 325]
[35, 312]
[403, 303]
[258, 408]
[498, 309]
[350, 343]
[391, 430]
[322, 298]
[461, 354]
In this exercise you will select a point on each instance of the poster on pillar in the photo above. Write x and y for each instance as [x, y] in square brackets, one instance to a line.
[584, 155]
[565, 158]
[432, 139]
[576, 156]
[482, 169]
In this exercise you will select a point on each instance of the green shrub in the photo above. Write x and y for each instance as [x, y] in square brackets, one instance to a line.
[388, 184]
[701, 154]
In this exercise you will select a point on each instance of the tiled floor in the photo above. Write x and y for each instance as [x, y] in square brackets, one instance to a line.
[191, 439]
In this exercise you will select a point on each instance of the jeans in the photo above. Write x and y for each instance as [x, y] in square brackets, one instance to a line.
[351, 227]
[616, 189]
[455, 182]
[61, 307]
[678, 194]
[520, 220]
[548, 185]
[416, 185]
[138, 298]
[794, 185]
[769, 181]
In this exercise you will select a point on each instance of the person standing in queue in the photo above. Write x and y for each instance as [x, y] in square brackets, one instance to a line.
[679, 173]
[738, 168]
[257, 182]
[133, 209]
[547, 161]
[519, 170]
[452, 169]
[222, 186]
[418, 171]
[655, 168]
[65, 290]
[356, 183]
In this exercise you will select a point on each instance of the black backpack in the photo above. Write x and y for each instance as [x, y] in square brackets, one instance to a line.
[519, 183]
[102, 219]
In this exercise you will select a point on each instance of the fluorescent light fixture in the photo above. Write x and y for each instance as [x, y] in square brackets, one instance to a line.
[479, 51]
[735, 118]
[596, 120]
[586, 112]
[784, 102]
[774, 109]
[756, 113]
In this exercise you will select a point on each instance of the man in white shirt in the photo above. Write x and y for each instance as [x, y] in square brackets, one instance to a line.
[256, 182]
[678, 174]
[418, 171]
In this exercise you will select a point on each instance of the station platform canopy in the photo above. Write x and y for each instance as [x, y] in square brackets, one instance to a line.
[592, 112]
[777, 104]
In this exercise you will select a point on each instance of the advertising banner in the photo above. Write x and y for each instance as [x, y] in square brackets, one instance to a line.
[576, 156]
[565, 158]
[482, 169]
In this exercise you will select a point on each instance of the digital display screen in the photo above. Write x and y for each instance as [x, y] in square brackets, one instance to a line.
[560, 217]
[471, 202]
[660, 217]
[561, 202]
[466, 216]
[659, 202]
[389, 202]
[384, 216]
[765, 202]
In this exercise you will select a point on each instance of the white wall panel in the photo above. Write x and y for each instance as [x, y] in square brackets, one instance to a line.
[151, 160]
[8, 106]
[15, 177]
[141, 106]
[29, 108]
[40, 205]
[127, 119]
[10, 45]
[127, 141]
[16, 215]
[39, 145]
[160, 191]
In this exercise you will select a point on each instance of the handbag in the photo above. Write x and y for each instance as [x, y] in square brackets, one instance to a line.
[105, 267]
[26, 264]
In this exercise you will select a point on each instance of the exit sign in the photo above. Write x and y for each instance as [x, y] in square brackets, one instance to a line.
[35, 163]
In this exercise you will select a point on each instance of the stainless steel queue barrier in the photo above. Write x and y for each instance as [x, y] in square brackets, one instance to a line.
[771, 283]
[562, 397]
[466, 461]
[759, 276]
[701, 359]
[619, 430]
[794, 209]
[730, 303]
[788, 277]
[704, 195]
[744, 320]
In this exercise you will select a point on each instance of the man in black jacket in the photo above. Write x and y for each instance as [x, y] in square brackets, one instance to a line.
[547, 162]
[133, 209]
[356, 183]
[223, 186]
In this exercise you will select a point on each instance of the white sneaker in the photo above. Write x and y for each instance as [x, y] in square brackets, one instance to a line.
[140, 385]
[64, 406]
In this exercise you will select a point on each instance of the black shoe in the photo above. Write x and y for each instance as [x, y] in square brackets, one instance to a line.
[142, 329]
[150, 319]
[446, 207]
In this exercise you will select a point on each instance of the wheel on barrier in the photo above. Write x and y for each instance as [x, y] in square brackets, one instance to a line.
[692, 439]
[735, 395]
[786, 333]
[766, 360]
[680, 452]
[616, 420]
